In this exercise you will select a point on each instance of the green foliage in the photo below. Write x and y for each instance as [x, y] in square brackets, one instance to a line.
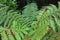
[32, 24]
[10, 3]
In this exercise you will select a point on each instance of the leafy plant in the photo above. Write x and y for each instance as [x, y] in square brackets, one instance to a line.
[32, 24]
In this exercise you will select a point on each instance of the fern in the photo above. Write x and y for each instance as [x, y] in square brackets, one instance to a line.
[31, 25]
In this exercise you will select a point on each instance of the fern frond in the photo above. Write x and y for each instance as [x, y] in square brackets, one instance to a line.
[32, 24]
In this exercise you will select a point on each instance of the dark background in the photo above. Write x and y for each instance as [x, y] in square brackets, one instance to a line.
[40, 3]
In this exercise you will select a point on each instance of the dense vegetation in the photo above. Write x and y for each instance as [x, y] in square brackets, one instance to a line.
[29, 23]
